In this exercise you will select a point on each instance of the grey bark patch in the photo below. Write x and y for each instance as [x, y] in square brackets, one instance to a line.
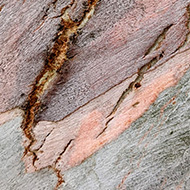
[12, 170]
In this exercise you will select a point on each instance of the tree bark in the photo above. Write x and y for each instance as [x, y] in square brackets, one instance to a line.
[95, 94]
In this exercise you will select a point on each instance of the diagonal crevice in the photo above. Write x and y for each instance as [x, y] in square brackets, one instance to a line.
[64, 150]
[55, 60]
[106, 126]
[43, 142]
[157, 43]
[136, 83]
[155, 49]
[57, 171]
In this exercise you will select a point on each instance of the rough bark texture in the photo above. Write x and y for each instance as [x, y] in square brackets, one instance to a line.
[115, 114]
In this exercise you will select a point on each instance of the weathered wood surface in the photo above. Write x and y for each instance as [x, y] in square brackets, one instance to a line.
[140, 48]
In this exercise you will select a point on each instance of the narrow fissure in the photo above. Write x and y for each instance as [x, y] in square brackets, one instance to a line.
[55, 61]
[137, 82]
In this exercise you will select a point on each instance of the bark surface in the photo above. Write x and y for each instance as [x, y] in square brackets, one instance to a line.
[95, 94]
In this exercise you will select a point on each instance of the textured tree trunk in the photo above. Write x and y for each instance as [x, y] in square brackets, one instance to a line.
[95, 94]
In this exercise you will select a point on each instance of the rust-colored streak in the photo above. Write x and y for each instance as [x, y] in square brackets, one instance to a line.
[89, 127]
[60, 179]
[88, 123]
[121, 185]
[55, 61]
[1, 7]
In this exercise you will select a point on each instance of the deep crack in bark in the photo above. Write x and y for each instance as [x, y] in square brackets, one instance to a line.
[58, 172]
[104, 129]
[35, 150]
[134, 84]
[155, 47]
[57, 58]
[55, 61]
[59, 157]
